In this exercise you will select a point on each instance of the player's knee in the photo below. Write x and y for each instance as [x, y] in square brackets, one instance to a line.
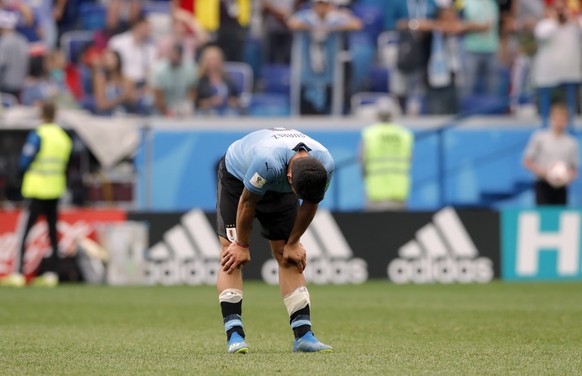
[222, 250]
[224, 244]
[277, 253]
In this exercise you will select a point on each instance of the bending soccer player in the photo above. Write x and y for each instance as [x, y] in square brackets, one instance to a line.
[263, 176]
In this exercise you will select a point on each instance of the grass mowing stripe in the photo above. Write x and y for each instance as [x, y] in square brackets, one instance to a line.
[376, 328]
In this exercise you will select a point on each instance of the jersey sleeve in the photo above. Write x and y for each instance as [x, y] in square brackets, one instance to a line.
[532, 147]
[326, 159]
[261, 172]
[29, 150]
[575, 156]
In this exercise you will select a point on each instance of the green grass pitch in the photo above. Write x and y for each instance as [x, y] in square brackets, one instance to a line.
[376, 328]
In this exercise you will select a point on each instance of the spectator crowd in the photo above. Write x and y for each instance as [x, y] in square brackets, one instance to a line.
[182, 57]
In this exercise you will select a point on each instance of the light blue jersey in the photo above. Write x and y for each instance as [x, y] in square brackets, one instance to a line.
[260, 159]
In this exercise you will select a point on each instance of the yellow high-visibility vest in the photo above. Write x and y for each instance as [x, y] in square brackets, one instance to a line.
[208, 13]
[387, 158]
[46, 177]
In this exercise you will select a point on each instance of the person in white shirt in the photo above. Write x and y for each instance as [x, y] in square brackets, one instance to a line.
[548, 151]
[137, 51]
[559, 56]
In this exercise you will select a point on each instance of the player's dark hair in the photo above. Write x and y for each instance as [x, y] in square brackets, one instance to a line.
[309, 179]
[48, 111]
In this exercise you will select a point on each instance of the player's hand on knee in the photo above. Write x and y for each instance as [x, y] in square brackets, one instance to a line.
[295, 254]
[234, 257]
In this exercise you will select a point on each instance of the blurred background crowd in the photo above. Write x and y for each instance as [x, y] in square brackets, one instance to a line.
[222, 57]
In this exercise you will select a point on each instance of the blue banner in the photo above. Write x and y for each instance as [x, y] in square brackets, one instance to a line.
[480, 168]
[541, 244]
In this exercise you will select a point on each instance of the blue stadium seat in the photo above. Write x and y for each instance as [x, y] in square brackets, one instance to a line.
[269, 105]
[387, 47]
[74, 42]
[86, 77]
[156, 7]
[504, 81]
[8, 100]
[276, 78]
[242, 75]
[88, 103]
[362, 53]
[484, 105]
[373, 19]
[92, 16]
[253, 54]
[379, 79]
[364, 101]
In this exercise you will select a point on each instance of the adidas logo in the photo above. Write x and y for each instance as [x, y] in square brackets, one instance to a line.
[188, 254]
[329, 256]
[441, 252]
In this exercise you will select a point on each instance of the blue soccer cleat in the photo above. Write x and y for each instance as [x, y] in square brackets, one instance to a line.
[308, 343]
[237, 344]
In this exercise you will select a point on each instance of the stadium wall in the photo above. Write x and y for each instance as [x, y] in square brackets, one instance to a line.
[482, 167]
[445, 246]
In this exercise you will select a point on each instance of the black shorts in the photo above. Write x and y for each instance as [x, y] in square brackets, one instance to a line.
[548, 195]
[276, 211]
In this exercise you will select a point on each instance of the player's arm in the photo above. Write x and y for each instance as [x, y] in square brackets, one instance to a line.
[238, 253]
[29, 151]
[348, 23]
[304, 217]
[297, 23]
[293, 252]
[245, 215]
[534, 167]
[529, 158]
[575, 163]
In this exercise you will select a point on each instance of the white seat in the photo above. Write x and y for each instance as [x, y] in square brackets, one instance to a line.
[8, 100]
[364, 104]
[387, 46]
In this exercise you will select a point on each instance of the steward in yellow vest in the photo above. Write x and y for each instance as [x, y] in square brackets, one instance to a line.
[44, 159]
[386, 158]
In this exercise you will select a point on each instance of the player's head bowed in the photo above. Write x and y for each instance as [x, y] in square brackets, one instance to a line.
[309, 179]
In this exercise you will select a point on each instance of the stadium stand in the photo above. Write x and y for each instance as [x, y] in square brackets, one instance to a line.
[8, 100]
[242, 75]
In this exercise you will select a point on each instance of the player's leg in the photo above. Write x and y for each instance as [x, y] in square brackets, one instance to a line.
[277, 213]
[230, 286]
[34, 210]
[17, 279]
[50, 278]
[297, 301]
[230, 296]
[543, 193]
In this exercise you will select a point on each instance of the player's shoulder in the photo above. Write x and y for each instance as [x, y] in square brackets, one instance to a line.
[325, 157]
[540, 134]
[269, 156]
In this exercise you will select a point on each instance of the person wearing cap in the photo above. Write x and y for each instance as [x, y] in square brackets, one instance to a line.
[14, 57]
[386, 155]
[174, 83]
[278, 176]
